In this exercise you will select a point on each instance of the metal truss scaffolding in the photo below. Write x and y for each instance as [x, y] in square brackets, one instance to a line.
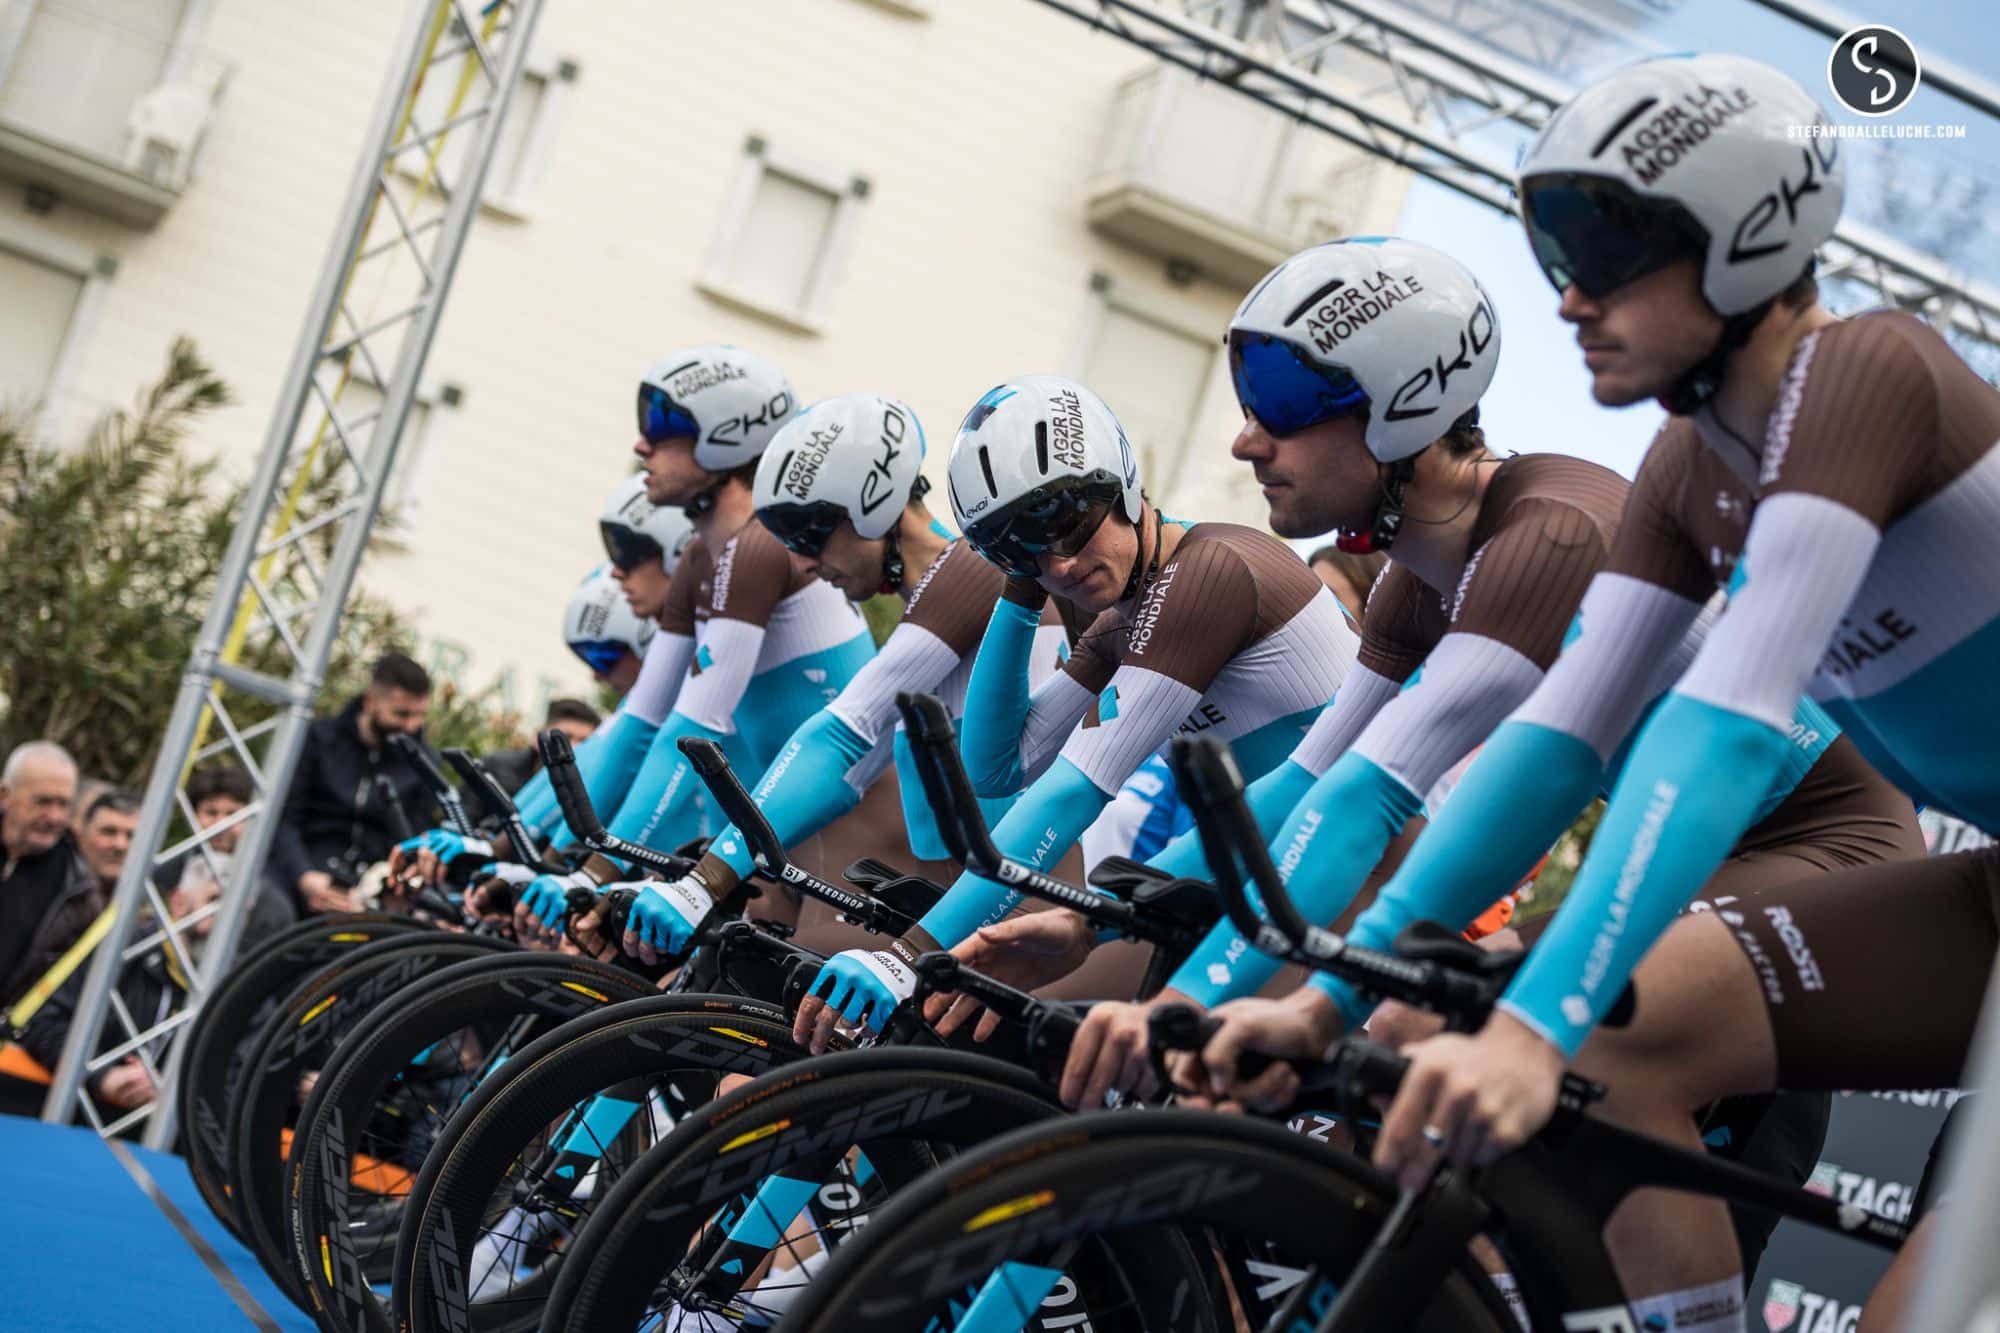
[1426, 96]
[263, 650]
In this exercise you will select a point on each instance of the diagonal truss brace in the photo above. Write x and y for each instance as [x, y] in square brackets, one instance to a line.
[1439, 101]
[285, 580]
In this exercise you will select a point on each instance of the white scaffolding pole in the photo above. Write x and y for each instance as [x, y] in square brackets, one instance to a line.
[285, 580]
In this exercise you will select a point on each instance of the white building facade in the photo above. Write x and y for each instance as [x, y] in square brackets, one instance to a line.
[915, 197]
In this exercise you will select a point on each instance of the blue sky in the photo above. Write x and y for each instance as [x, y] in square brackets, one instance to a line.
[1540, 399]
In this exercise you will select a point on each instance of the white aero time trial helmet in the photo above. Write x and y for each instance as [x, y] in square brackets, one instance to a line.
[1708, 157]
[599, 627]
[1037, 465]
[858, 458]
[1377, 326]
[636, 530]
[728, 400]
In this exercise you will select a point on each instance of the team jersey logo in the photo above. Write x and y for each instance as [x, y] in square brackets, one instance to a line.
[1105, 710]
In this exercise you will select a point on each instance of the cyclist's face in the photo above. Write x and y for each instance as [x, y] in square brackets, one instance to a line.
[620, 678]
[645, 588]
[1095, 577]
[672, 477]
[1640, 339]
[1314, 480]
[852, 563]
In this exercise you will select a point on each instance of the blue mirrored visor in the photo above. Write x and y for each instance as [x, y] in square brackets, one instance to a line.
[601, 655]
[661, 418]
[1284, 388]
[1597, 236]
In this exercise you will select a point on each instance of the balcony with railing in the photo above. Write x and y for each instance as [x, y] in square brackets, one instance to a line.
[1193, 172]
[104, 104]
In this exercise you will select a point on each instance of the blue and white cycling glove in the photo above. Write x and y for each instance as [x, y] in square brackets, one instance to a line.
[547, 896]
[865, 985]
[446, 845]
[666, 914]
[511, 873]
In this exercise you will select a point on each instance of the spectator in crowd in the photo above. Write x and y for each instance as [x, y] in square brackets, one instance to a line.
[351, 799]
[47, 896]
[1347, 576]
[87, 790]
[105, 837]
[152, 987]
[512, 768]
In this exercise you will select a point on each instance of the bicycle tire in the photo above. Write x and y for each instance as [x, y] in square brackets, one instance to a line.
[702, 1037]
[902, 1107]
[1051, 1184]
[326, 1208]
[221, 1036]
[297, 1040]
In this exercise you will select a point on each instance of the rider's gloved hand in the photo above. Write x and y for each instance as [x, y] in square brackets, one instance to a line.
[446, 845]
[665, 917]
[859, 985]
[546, 899]
[495, 888]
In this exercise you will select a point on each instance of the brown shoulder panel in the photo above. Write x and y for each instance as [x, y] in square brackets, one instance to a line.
[1653, 542]
[687, 589]
[954, 599]
[1402, 622]
[1596, 492]
[753, 574]
[1876, 413]
[1203, 606]
[1522, 587]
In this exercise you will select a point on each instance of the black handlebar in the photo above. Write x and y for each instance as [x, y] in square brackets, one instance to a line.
[713, 768]
[412, 752]
[475, 775]
[1444, 975]
[567, 783]
[933, 744]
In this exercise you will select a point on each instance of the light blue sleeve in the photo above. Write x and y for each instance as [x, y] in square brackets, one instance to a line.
[1693, 785]
[662, 808]
[1048, 819]
[997, 700]
[1271, 799]
[1325, 850]
[1518, 796]
[607, 763]
[802, 791]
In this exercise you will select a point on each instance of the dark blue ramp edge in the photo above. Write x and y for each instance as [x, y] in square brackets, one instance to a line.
[97, 1236]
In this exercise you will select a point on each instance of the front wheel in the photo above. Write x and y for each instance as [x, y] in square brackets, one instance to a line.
[1007, 1221]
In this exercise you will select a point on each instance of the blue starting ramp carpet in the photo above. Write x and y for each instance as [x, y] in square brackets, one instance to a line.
[98, 1235]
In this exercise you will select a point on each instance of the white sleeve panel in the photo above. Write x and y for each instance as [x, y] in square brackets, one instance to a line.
[1053, 712]
[1469, 685]
[1137, 714]
[660, 674]
[1607, 674]
[914, 659]
[725, 660]
[1051, 647]
[1116, 830]
[1803, 564]
[1361, 696]
[862, 776]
